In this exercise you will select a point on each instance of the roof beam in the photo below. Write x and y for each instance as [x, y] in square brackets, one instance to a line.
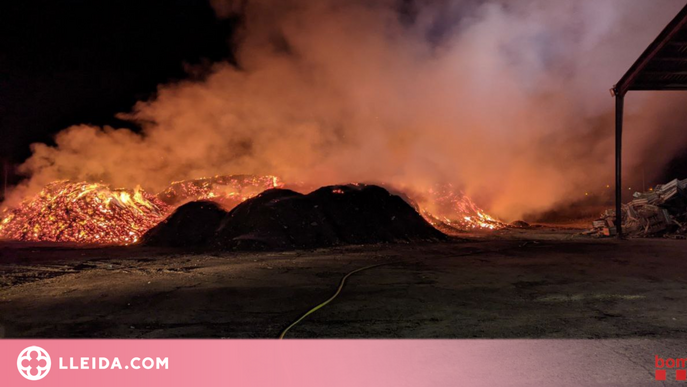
[672, 58]
[654, 87]
[665, 72]
[672, 31]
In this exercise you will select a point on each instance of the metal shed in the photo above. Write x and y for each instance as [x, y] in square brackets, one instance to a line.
[662, 66]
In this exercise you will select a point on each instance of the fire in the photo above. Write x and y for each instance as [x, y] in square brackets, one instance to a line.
[446, 206]
[226, 190]
[93, 213]
[83, 212]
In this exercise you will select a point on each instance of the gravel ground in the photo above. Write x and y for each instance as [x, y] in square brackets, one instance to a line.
[541, 283]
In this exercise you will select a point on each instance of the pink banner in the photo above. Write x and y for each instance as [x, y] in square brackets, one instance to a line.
[333, 362]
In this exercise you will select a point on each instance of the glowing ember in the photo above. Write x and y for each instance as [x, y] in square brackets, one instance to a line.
[93, 213]
[83, 212]
[228, 191]
[449, 207]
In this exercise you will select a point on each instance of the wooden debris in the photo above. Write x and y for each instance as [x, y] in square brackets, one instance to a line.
[661, 211]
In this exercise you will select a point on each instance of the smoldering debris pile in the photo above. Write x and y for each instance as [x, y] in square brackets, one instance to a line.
[662, 211]
[227, 190]
[280, 219]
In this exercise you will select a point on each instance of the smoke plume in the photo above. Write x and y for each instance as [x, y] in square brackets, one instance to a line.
[507, 99]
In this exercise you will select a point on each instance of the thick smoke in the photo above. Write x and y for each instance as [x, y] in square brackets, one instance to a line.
[508, 99]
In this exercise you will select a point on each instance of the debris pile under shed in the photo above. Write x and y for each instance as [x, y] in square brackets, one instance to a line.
[661, 211]
[280, 219]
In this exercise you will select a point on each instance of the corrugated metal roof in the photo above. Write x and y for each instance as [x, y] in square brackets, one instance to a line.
[663, 65]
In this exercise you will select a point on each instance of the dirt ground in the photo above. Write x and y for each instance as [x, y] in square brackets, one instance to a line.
[541, 283]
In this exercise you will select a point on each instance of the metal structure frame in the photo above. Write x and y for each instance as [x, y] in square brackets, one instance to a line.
[662, 66]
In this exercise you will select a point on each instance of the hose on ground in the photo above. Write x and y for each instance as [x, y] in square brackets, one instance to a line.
[341, 285]
[343, 281]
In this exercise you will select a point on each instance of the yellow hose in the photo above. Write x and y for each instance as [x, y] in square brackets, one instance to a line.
[341, 285]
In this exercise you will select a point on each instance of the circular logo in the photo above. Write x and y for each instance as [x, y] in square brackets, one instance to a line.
[33, 363]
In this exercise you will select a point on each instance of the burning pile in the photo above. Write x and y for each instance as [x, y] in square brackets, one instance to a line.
[94, 213]
[660, 211]
[228, 191]
[447, 209]
[83, 212]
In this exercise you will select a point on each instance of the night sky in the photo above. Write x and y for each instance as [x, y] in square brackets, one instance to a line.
[81, 61]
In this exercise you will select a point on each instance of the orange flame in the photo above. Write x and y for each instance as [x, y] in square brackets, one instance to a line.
[446, 206]
[83, 212]
[226, 190]
[94, 213]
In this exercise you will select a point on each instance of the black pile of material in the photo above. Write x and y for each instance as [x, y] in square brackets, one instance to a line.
[193, 224]
[280, 219]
